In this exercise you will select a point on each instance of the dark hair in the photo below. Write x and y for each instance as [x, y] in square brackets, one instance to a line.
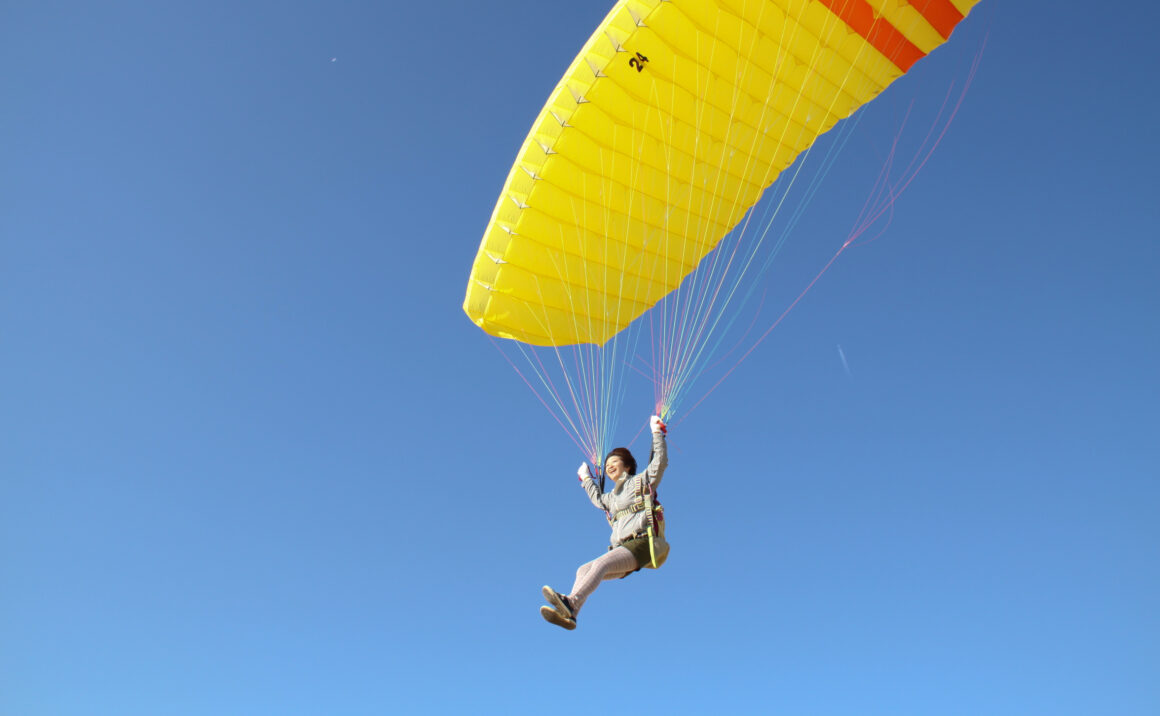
[625, 457]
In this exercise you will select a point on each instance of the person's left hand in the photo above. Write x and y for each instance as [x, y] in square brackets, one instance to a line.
[656, 425]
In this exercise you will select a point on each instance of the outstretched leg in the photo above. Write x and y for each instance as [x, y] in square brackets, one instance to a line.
[611, 565]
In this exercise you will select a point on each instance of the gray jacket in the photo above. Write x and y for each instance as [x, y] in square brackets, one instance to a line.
[620, 501]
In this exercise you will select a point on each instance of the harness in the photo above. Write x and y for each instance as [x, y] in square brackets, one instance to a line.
[646, 501]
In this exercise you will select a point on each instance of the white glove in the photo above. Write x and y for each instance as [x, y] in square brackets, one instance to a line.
[583, 472]
[656, 425]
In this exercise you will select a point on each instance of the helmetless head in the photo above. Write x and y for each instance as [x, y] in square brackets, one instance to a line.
[620, 464]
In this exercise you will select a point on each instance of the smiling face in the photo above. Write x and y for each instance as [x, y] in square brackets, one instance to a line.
[614, 468]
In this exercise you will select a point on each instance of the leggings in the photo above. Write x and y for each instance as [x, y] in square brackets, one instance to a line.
[610, 565]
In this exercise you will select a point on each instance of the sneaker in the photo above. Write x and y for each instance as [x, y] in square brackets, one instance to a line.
[554, 617]
[559, 602]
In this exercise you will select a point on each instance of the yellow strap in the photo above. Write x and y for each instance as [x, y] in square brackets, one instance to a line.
[646, 499]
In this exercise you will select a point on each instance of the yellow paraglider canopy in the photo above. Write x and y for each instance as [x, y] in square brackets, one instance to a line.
[662, 134]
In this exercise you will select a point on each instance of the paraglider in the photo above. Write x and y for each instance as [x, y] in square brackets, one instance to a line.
[636, 519]
[622, 223]
[664, 131]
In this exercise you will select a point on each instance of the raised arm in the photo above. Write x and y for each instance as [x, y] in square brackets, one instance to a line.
[660, 455]
[591, 487]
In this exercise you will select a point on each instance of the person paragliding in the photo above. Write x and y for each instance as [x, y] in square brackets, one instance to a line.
[622, 221]
[637, 523]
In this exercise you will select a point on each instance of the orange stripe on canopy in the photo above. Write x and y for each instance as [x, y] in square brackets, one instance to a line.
[941, 14]
[878, 32]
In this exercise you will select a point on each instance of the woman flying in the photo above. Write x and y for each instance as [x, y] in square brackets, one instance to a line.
[637, 526]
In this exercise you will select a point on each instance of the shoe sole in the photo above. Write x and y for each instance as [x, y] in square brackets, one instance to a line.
[554, 617]
[554, 599]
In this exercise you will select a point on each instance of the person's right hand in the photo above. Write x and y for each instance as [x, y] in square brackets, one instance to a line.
[583, 472]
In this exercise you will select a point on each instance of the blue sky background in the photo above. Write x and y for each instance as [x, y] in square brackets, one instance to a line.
[255, 460]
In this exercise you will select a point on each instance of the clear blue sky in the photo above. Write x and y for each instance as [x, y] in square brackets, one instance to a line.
[255, 460]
